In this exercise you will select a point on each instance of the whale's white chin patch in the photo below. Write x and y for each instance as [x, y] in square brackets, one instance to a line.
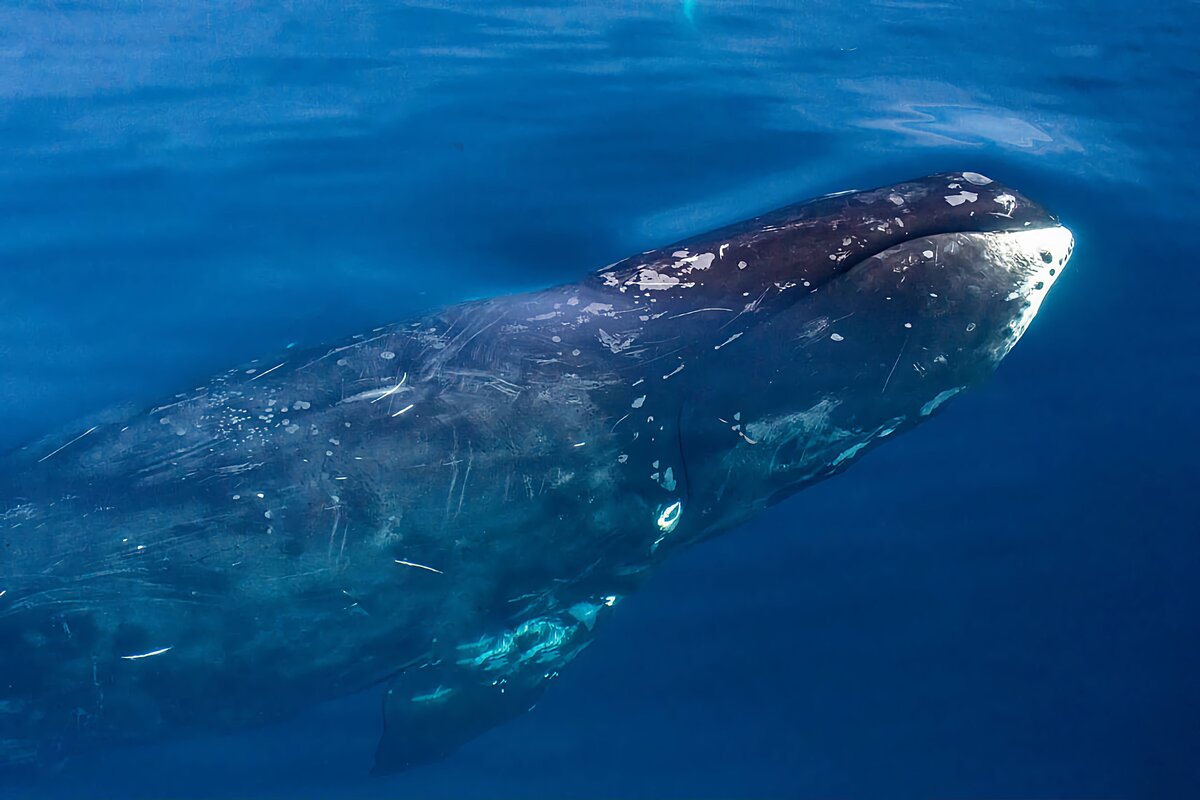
[1037, 258]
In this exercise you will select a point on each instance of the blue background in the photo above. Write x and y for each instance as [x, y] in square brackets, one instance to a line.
[1001, 604]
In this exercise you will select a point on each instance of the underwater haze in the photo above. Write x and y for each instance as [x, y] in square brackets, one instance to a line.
[1004, 603]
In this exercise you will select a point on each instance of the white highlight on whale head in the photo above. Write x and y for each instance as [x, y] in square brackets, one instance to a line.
[1037, 257]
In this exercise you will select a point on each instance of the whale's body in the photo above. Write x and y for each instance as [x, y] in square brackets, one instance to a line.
[451, 506]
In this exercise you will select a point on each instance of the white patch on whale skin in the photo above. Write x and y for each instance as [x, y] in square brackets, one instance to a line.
[440, 693]
[936, 402]
[700, 261]
[777, 430]
[849, 453]
[586, 612]
[961, 197]
[1007, 201]
[615, 342]
[668, 519]
[976, 178]
[668, 480]
[598, 308]
[648, 279]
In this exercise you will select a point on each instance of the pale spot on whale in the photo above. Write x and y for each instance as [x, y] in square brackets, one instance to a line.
[668, 480]
[701, 261]
[849, 453]
[936, 402]
[961, 197]
[976, 178]
[668, 518]
[650, 280]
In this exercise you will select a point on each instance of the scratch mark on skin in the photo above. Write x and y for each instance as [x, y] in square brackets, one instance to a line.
[266, 372]
[151, 654]
[481, 330]
[337, 518]
[505, 387]
[727, 341]
[68, 444]
[618, 422]
[407, 408]
[672, 372]
[453, 464]
[296, 575]
[157, 409]
[698, 310]
[894, 363]
[751, 307]
[462, 492]
[391, 390]
[418, 566]
[343, 348]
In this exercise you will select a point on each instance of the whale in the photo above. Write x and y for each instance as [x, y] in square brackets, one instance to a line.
[448, 509]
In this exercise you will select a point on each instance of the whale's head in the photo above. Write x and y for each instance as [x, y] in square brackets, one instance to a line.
[857, 316]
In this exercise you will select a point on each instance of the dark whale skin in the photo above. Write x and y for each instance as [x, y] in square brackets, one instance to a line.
[452, 505]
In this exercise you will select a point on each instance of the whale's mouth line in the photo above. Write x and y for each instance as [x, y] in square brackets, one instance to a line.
[879, 254]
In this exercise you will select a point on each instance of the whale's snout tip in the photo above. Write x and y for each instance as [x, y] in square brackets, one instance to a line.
[1047, 249]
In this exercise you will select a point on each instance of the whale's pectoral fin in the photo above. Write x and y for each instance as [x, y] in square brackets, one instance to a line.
[428, 714]
[431, 710]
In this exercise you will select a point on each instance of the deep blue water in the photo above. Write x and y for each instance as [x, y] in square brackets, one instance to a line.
[1003, 603]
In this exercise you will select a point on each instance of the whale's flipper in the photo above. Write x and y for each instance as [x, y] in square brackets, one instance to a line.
[428, 714]
[429, 711]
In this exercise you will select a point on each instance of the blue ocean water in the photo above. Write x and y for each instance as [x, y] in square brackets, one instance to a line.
[1003, 603]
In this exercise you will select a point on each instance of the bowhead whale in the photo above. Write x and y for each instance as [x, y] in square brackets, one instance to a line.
[449, 507]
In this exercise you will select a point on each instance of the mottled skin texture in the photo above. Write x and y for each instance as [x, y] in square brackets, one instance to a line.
[455, 503]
